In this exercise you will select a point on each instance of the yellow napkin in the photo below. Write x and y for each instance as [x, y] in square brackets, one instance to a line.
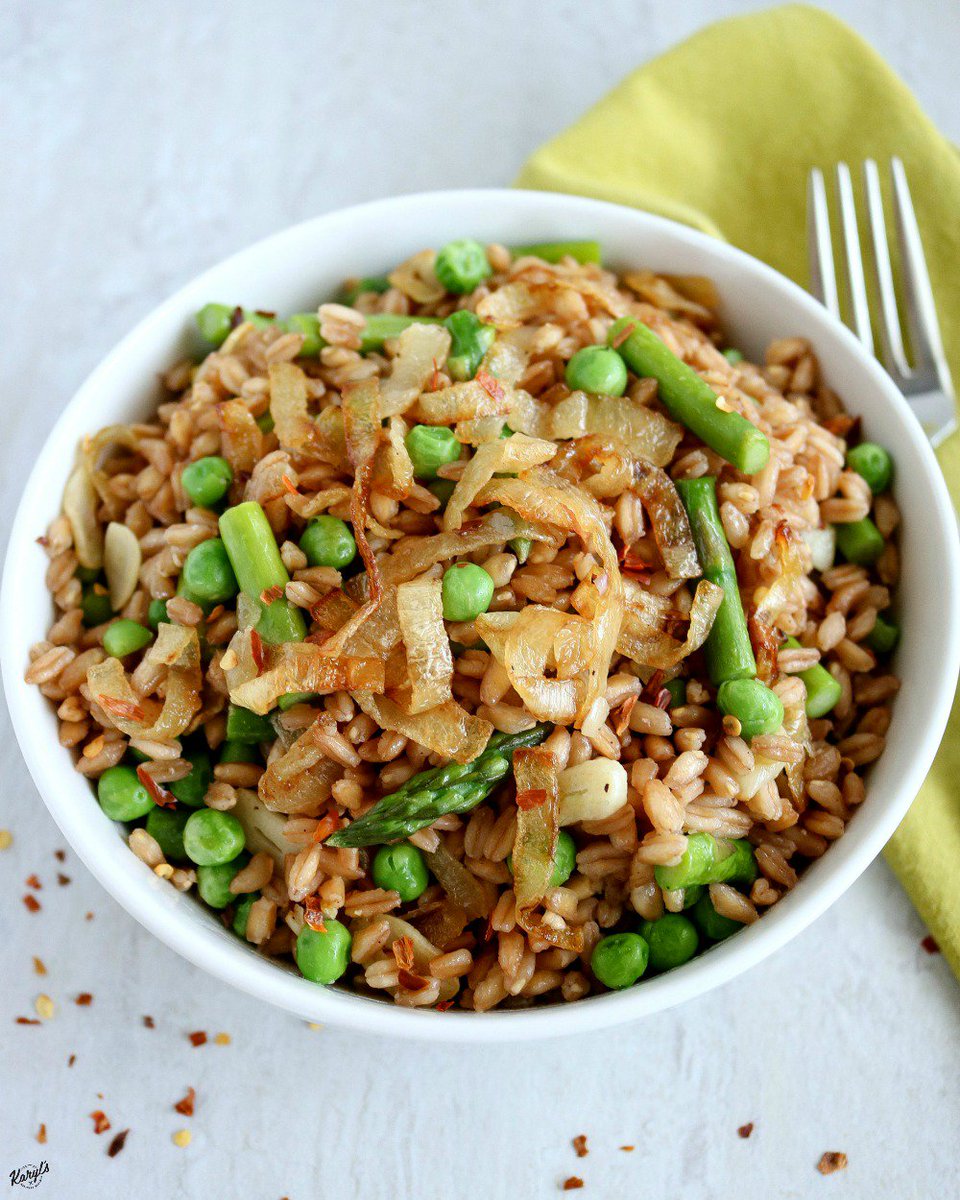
[720, 133]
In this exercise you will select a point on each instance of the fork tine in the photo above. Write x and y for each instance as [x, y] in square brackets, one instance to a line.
[823, 278]
[853, 262]
[921, 312]
[891, 338]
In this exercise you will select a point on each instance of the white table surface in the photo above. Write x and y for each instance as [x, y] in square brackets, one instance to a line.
[136, 150]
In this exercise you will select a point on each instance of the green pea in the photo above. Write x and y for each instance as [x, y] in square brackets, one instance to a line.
[207, 576]
[157, 614]
[211, 837]
[707, 860]
[166, 826]
[401, 869]
[521, 547]
[95, 607]
[442, 489]
[470, 340]
[466, 592]
[241, 914]
[125, 637]
[672, 940]
[564, 859]
[121, 794]
[883, 637]
[323, 956]
[246, 726]
[293, 698]
[710, 923]
[619, 960]
[860, 542]
[461, 266]
[328, 542]
[678, 691]
[207, 480]
[239, 752]
[733, 356]
[873, 464]
[213, 883]
[753, 704]
[308, 326]
[378, 284]
[192, 788]
[215, 322]
[597, 369]
[429, 447]
[266, 423]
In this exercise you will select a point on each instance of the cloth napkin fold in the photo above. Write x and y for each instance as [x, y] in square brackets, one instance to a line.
[720, 133]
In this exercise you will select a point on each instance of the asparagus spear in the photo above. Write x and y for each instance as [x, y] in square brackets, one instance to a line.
[216, 320]
[454, 788]
[706, 860]
[470, 340]
[252, 550]
[823, 691]
[689, 398]
[728, 649]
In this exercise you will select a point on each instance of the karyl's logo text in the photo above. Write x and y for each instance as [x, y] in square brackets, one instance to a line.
[30, 1175]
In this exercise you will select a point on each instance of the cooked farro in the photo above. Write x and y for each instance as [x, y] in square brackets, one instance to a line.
[580, 528]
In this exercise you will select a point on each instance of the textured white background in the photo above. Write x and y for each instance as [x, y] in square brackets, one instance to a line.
[138, 145]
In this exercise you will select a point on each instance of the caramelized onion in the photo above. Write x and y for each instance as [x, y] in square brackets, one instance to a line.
[505, 455]
[447, 729]
[429, 661]
[535, 772]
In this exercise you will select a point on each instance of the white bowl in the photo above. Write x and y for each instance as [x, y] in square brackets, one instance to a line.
[294, 270]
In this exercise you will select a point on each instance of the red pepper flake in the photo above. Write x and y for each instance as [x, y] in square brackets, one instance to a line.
[637, 568]
[313, 913]
[930, 945]
[622, 336]
[84, 999]
[410, 981]
[289, 485]
[402, 950]
[60, 855]
[488, 929]
[39, 966]
[185, 1105]
[71, 1060]
[27, 1021]
[572, 1183]
[622, 722]
[830, 1161]
[326, 826]
[662, 699]
[100, 1122]
[42, 540]
[434, 378]
[160, 796]
[118, 1143]
[32, 903]
[628, 1149]
[197, 1038]
[580, 1145]
[88, 916]
[62, 879]
[531, 798]
[215, 613]
[270, 594]
[42, 1134]
[256, 649]
[491, 386]
[34, 882]
[149, 1023]
[124, 709]
[745, 1130]
[654, 684]
[444, 1005]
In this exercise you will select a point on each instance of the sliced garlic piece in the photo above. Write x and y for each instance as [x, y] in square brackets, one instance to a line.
[121, 563]
[752, 781]
[263, 828]
[591, 791]
[80, 509]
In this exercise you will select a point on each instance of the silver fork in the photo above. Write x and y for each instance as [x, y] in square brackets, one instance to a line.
[925, 378]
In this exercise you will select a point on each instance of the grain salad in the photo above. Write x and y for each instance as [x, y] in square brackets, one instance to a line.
[495, 634]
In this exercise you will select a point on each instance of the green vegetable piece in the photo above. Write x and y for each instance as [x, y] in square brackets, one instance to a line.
[192, 788]
[207, 480]
[328, 542]
[157, 614]
[293, 698]
[211, 837]
[466, 592]
[308, 326]
[207, 576]
[442, 489]
[597, 369]
[215, 322]
[429, 447]
[401, 868]
[860, 542]
[95, 607]
[380, 327]
[823, 691]
[711, 924]
[733, 356]
[354, 288]
[455, 788]
[461, 266]
[323, 956]
[619, 960]
[255, 557]
[521, 547]
[692, 894]
[729, 652]
[707, 860]
[87, 574]
[564, 859]
[689, 398]
[873, 463]
[246, 726]
[883, 637]
[213, 883]
[241, 914]
[678, 691]
[166, 826]
[121, 794]
[125, 637]
[553, 252]
[672, 940]
[266, 423]
[239, 752]
[470, 339]
[753, 704]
